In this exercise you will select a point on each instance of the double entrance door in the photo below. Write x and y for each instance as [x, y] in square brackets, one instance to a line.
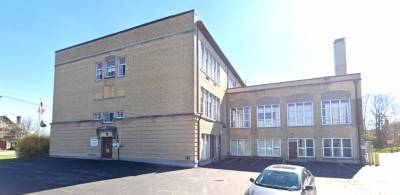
[211, 149]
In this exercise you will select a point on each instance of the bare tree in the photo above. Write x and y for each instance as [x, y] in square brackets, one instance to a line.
[382, 109]
[27, 125]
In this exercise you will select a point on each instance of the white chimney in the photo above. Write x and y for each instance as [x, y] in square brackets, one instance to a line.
[339, 48]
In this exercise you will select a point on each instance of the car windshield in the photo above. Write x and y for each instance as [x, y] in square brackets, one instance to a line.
[278, 180]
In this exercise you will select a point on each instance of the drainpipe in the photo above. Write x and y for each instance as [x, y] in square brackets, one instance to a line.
[197, 95]
[358, 119]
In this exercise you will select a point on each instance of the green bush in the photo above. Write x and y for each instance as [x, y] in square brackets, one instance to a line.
[32, 146]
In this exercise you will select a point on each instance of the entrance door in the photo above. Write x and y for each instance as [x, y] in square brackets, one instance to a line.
[212, 147]
[292, 150]
[106, 147]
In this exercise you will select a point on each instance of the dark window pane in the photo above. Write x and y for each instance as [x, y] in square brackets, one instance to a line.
[346, 143]
[336, 142]
[309, 143]
[337, 152]
[327, 152]
[310, 151]
[346, 152]
[327, 142]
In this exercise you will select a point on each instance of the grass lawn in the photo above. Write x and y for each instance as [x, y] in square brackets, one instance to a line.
[7, 157]
[387, 149]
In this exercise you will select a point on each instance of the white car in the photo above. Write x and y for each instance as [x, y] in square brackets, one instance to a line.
[283, 179]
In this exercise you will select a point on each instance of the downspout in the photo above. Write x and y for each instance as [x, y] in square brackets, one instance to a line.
[358, 119]
[197, 95]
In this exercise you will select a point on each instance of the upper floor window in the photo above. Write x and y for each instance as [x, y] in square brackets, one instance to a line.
[210, 105]
[300, 114]
[240, 117]
[268, 115]
[119, 115]
[337, 148]
[99, 71]
[108, 117]
[97, 116]
[121, 67]
[209, 64]
[110, 67]
[231, 82]
[335, 112]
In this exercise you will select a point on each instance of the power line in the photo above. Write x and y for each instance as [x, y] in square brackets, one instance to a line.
[21, 100]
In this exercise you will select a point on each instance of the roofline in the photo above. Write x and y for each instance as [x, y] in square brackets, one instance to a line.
[200, 25]
[295, 83]
[4, 116]
[132, 28]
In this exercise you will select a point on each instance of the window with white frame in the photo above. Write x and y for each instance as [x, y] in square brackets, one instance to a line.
[108, 117]
[210, 105]
[335, 112]
[209, 63]
[240, 117]
[119, 114]
[99, 71]
[305, 147]
[268, 115]
[121, 67]
[337, 148]
[205, 153]
[269, 147]
[240, 147]
[110, 67]
[300, 114]
[97, 116]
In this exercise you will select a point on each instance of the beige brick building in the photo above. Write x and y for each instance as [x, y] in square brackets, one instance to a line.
[164, 92]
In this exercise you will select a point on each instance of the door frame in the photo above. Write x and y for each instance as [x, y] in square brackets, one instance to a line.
[102, 149]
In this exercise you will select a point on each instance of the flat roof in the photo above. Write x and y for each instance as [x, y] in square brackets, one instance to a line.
[122, 31]
[296, 83]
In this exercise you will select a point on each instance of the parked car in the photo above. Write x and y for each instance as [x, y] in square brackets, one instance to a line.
[283, 179]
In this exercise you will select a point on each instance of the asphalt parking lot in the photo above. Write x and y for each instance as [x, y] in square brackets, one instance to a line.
[230, 176]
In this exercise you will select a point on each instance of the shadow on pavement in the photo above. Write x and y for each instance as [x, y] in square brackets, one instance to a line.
[34, 175]
[319, 169]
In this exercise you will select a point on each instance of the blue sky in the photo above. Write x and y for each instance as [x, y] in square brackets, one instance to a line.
[267, 41]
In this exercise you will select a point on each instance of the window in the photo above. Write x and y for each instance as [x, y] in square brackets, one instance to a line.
[269, 147]
[110, 67]
[240, 147]
[108, 117]
[205, 153]
[97, 116]
[119, 114]
[240, 117]
[210, 105]
[268, 116]
[300, 114]
[209, 64]
[231, 82]
[99, 71]
[121, 67]
[305, 147]
[337, 148]
[335, 112]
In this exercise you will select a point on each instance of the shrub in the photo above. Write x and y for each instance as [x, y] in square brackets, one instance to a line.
[32, 146]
